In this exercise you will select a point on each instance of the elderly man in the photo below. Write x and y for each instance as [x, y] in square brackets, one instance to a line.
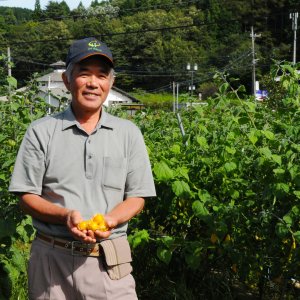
[76, 164]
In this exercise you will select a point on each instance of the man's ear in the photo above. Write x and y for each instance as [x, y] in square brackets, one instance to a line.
[112, 81]
[65, 80]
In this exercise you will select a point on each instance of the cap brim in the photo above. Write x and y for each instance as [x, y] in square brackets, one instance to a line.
[94, 54]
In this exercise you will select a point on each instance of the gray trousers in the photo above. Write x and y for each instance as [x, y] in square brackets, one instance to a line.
[54, 274]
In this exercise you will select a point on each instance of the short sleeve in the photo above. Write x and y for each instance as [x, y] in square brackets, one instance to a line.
[29, 167]
[139, 181]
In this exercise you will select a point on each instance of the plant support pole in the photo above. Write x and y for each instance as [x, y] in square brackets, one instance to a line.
[181, 127]
[294, 17]
[174, 99]
[253, 36]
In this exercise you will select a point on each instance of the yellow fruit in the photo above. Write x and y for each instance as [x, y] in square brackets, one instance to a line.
[83, 225]
[234, 268]
[213, 238]
[96, 223]
[103, 227]
[227, 238]
[93, 226]
[98, 218]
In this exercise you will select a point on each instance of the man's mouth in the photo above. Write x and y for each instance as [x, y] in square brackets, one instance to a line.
[90, 95]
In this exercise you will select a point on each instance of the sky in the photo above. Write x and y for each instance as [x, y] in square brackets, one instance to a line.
[30, 3]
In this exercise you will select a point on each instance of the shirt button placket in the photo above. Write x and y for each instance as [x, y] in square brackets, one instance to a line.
[89, 159]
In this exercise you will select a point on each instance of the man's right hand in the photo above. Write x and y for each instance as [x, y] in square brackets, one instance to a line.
[73, 219]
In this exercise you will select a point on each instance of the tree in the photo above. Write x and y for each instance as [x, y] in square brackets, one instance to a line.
[38, 12]
[80, 11]
[56, 10]
[9, 16]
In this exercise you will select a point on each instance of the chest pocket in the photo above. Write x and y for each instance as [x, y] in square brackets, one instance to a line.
[114, 172]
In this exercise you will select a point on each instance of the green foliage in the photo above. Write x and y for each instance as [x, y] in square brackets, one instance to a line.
[20, 109]
[227, 210]
[228, 201]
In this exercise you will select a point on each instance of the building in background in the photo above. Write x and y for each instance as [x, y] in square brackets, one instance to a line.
[51, 88]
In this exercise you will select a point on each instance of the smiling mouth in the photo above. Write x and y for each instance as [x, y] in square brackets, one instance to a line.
[91, 95]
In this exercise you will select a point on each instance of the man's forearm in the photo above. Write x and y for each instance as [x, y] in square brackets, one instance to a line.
[126, 210]
[39, 208]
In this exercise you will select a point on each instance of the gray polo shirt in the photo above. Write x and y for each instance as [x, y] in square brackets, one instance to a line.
[92, 173]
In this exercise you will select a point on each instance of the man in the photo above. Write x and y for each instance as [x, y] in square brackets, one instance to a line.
[74, 165]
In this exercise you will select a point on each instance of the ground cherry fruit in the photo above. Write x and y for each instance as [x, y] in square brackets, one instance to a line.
[96, 223]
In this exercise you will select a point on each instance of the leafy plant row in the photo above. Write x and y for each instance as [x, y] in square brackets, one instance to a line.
[226, 216]
[228, 207]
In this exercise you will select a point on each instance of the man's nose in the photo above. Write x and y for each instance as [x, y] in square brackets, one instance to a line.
[92, 81]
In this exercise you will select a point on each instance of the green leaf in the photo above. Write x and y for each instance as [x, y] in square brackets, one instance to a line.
[295, 210]
[12, 81]
[278, 171]
[183, 172]
[164, 255]
[204, 195]
[251, 106]
[138, 238]
[201, 140]
[297, 236]
[268, 134]
[230, 150]
[281, 230]
[168, 241]
[276, 158]
[234, 194]
[180, 188]
[199, 209]
[230, 166]
[162, 171]
[175, 149]
[253, 138]
[223, 88]
[288, 220]
[266, 152]
[297, 193]
[282, 187]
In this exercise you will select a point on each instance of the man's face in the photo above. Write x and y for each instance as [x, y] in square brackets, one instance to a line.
[89, 84]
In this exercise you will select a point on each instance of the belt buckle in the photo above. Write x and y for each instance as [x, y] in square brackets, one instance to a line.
[84, 249]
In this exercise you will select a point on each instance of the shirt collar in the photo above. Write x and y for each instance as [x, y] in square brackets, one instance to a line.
[69, 119]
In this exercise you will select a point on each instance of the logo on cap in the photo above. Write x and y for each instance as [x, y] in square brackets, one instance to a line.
[93, 45]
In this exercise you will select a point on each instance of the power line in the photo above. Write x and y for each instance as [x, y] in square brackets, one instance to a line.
[229, 67]
[104, 34]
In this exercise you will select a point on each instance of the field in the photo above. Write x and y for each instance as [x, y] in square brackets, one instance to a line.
[225, 223]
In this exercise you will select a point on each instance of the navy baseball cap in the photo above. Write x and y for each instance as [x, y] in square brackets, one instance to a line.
[87, 47]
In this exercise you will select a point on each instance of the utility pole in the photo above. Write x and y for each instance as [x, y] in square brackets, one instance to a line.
[174, 98]
[9, 69]
[294, 17]
[177, 95]
[8, 61]
[253, 36]
[192, 69]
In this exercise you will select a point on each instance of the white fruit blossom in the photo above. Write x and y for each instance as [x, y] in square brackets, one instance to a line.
[106, 9]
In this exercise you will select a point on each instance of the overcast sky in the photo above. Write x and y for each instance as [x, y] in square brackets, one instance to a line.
[30, 3]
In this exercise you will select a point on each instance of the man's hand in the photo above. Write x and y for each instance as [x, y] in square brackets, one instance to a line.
[110, 223]
[73, 219]
[88, 236]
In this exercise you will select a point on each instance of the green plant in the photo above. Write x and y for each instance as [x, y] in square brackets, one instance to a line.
[228, 195]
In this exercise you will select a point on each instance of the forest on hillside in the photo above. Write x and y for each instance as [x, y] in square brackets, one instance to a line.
[154, 40]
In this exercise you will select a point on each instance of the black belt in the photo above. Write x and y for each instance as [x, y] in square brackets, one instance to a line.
[76, 247]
